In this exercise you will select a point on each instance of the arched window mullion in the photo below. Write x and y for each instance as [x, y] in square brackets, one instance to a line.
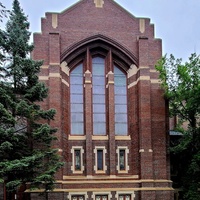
[98, 96]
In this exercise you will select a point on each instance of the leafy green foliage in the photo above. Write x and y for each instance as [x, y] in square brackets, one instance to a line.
[26, 153]
[181, 83]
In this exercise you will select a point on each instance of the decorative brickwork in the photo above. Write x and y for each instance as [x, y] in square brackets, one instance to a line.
[103, 29]
[99, 3]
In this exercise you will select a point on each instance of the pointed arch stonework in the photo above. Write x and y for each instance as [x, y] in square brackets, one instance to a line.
[100, 43]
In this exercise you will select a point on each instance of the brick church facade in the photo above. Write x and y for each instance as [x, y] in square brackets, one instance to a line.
[111, 116]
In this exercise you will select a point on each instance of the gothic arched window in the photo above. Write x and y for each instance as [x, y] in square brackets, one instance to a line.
[99, 102]
[76, 99]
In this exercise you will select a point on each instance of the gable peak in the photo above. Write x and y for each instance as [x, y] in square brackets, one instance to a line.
[99, 3]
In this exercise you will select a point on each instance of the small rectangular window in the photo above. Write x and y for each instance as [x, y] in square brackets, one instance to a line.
[101, 197]
[125, 197]
[77, 159]
[122, 159]
[77, 166]
[99, 159]
[77, 197]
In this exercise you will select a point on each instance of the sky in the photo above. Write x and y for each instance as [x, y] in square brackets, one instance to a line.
[177, 22]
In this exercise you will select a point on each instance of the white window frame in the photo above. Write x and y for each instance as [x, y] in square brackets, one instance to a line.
[131, 193]
[101, 194]
[73, 159]
[104, 160]
[69, 196]
[126, 159]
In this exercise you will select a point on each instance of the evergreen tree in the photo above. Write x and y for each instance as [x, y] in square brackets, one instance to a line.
[182, 88]
[3, 12]
[26, 153]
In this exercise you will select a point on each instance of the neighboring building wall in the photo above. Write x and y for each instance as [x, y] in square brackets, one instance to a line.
[103, 29]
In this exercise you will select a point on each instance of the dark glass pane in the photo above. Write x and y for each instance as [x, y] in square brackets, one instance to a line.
[99, 108]
[120, 128]
[77, 159]
[99, 117]
[78, 108]
[99, 99]
[122, 159]
[120, 109]
[121, 118]
[99, 159]
[76, 98]
[76, 128]
[120, 99]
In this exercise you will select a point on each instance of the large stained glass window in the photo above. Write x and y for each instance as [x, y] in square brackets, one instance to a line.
[76, 99]
[98, 92]
[120, 88]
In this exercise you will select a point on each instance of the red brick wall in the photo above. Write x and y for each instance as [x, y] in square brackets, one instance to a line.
[147, 113]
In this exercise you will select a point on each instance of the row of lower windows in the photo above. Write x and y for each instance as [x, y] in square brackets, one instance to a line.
[101, 197]
[128, 195]
[100, 157]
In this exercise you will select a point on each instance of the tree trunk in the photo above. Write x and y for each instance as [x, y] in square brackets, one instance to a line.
[46, 195]
[9, 196]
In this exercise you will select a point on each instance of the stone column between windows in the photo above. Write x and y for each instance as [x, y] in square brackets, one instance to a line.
[111, 123]
[55, 82]
[55, 89]
[144, 102]
[88, 123]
